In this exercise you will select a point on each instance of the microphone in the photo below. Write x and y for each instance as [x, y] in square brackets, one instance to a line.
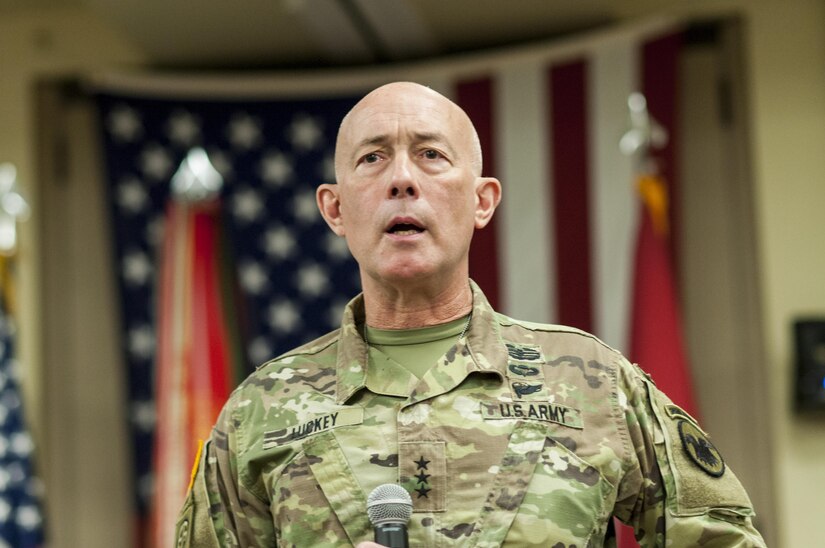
[389, 508]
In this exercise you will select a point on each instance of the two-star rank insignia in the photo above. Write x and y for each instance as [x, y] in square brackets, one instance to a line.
[700, 450]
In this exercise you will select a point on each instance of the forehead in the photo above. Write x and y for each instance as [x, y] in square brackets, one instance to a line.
[402, 111]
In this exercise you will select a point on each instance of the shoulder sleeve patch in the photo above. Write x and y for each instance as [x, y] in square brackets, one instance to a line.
[700, 450]
[698, 476]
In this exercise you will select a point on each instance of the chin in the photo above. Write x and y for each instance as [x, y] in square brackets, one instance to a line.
[407, 272]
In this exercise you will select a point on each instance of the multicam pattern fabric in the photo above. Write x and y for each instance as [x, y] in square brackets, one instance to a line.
[521, 435]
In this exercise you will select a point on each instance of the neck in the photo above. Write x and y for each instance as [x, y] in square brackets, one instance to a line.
[407, 307]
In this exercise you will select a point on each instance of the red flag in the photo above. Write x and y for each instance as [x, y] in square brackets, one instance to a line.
[656, 341]
[194, 366]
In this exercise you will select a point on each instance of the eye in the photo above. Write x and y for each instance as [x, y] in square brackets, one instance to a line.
[431, 154]
[370, 158]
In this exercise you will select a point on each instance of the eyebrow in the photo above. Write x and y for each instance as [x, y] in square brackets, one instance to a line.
[418, 137]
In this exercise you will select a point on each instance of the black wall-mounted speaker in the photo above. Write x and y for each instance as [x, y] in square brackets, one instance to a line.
[809, 391]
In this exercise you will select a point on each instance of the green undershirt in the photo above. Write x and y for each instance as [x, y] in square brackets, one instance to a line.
[416, 350]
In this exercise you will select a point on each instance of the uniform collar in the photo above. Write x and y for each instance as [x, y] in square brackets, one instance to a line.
[480, 350]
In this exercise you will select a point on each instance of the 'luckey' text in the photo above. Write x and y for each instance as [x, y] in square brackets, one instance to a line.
[343, 417]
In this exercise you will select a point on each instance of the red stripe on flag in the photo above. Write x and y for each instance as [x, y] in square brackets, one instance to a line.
[570, 189]
[194, 362]
[660, 85]
[209, 332]
[476, 98]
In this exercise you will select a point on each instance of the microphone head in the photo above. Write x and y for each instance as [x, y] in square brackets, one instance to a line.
[389, 503]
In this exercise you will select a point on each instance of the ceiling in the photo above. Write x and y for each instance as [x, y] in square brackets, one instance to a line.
[314, 33]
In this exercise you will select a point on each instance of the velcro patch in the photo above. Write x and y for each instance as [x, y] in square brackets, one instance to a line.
[530, 390]
[423, 472]
[525, 352]
[690, 459]
[532, 411]
[347, 416]
[526, 371]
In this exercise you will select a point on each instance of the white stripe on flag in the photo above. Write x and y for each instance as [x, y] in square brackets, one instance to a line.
[612, 76]
[526, 243]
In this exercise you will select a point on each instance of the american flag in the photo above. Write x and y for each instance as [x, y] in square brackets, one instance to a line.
[550, 119]
[21, 521]
[295, 276]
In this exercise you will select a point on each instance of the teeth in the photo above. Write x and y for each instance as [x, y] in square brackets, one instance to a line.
[406, 232]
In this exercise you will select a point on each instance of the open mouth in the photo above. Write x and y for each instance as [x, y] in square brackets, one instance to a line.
[405, 229]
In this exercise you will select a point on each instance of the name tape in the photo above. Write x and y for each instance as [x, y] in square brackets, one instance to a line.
[347, 416]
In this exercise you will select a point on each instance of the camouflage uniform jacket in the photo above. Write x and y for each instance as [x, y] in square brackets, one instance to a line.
[521, 435]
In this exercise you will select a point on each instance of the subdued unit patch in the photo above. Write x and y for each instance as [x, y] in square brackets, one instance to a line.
[700, 450]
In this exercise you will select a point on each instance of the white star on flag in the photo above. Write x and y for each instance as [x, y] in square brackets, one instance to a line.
[260, 350]
[144, 415]
[279, 242]
[21, 444]
[305, 133]
[284, 316]
[336, 311]
[247, 205]
[142, 342]
[137, 268]
[28, 517]
[145, 485]
[155, 162]
[123, 123]
[253, 277]
[312, 280]
[183, 129]
[244, 132]
[336, 246]
[276, 169]
[306, 207]
[131, 195]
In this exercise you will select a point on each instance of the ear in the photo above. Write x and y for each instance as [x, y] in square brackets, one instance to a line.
[488, 196]
[329, 203]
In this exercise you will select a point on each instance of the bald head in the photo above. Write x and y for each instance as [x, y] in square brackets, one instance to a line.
[410, 100]
[409, 193]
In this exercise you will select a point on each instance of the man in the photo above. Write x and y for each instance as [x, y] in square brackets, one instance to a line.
[503, 432]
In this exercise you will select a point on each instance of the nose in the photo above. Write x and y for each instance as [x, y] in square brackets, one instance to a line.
[403, 183]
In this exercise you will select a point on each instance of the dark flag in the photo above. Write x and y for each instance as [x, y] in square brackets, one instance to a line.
[294, 276]
[21, 521]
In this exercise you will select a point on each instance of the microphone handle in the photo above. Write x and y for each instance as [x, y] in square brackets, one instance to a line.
[392, 535]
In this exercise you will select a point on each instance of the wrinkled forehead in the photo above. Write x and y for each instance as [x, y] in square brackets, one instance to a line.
[403, 108]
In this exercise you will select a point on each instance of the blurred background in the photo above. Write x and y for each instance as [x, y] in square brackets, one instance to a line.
[103, 104]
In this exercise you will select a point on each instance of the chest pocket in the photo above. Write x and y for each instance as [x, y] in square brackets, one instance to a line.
[566, 501]
[317, 496]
